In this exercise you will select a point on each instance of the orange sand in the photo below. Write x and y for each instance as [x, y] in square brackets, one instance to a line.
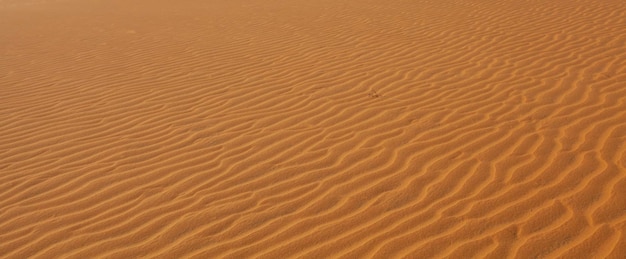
[312, 129]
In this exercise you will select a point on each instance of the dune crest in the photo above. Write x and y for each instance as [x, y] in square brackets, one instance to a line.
[313, 129]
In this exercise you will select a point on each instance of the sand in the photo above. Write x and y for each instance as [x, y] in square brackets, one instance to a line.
[312, 129]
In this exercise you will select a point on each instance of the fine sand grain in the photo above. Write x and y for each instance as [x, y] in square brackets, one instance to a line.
[312, 129]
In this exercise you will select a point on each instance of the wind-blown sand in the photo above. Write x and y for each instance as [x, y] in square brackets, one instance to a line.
[291, 128]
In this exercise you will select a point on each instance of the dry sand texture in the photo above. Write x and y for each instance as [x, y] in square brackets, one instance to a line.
[314, 129]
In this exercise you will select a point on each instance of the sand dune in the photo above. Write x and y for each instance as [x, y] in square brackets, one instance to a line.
[312, 129]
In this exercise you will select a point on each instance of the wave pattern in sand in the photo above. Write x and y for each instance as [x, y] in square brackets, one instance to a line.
[277, 128]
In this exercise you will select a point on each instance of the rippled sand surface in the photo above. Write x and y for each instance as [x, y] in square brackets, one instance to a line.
[312, 129]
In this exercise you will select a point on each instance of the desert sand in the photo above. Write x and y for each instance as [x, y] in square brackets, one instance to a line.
[312, 129]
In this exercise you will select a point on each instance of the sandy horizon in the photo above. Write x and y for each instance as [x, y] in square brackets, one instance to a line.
[312, 129]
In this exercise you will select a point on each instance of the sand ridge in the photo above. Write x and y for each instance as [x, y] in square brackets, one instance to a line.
[313, 129]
